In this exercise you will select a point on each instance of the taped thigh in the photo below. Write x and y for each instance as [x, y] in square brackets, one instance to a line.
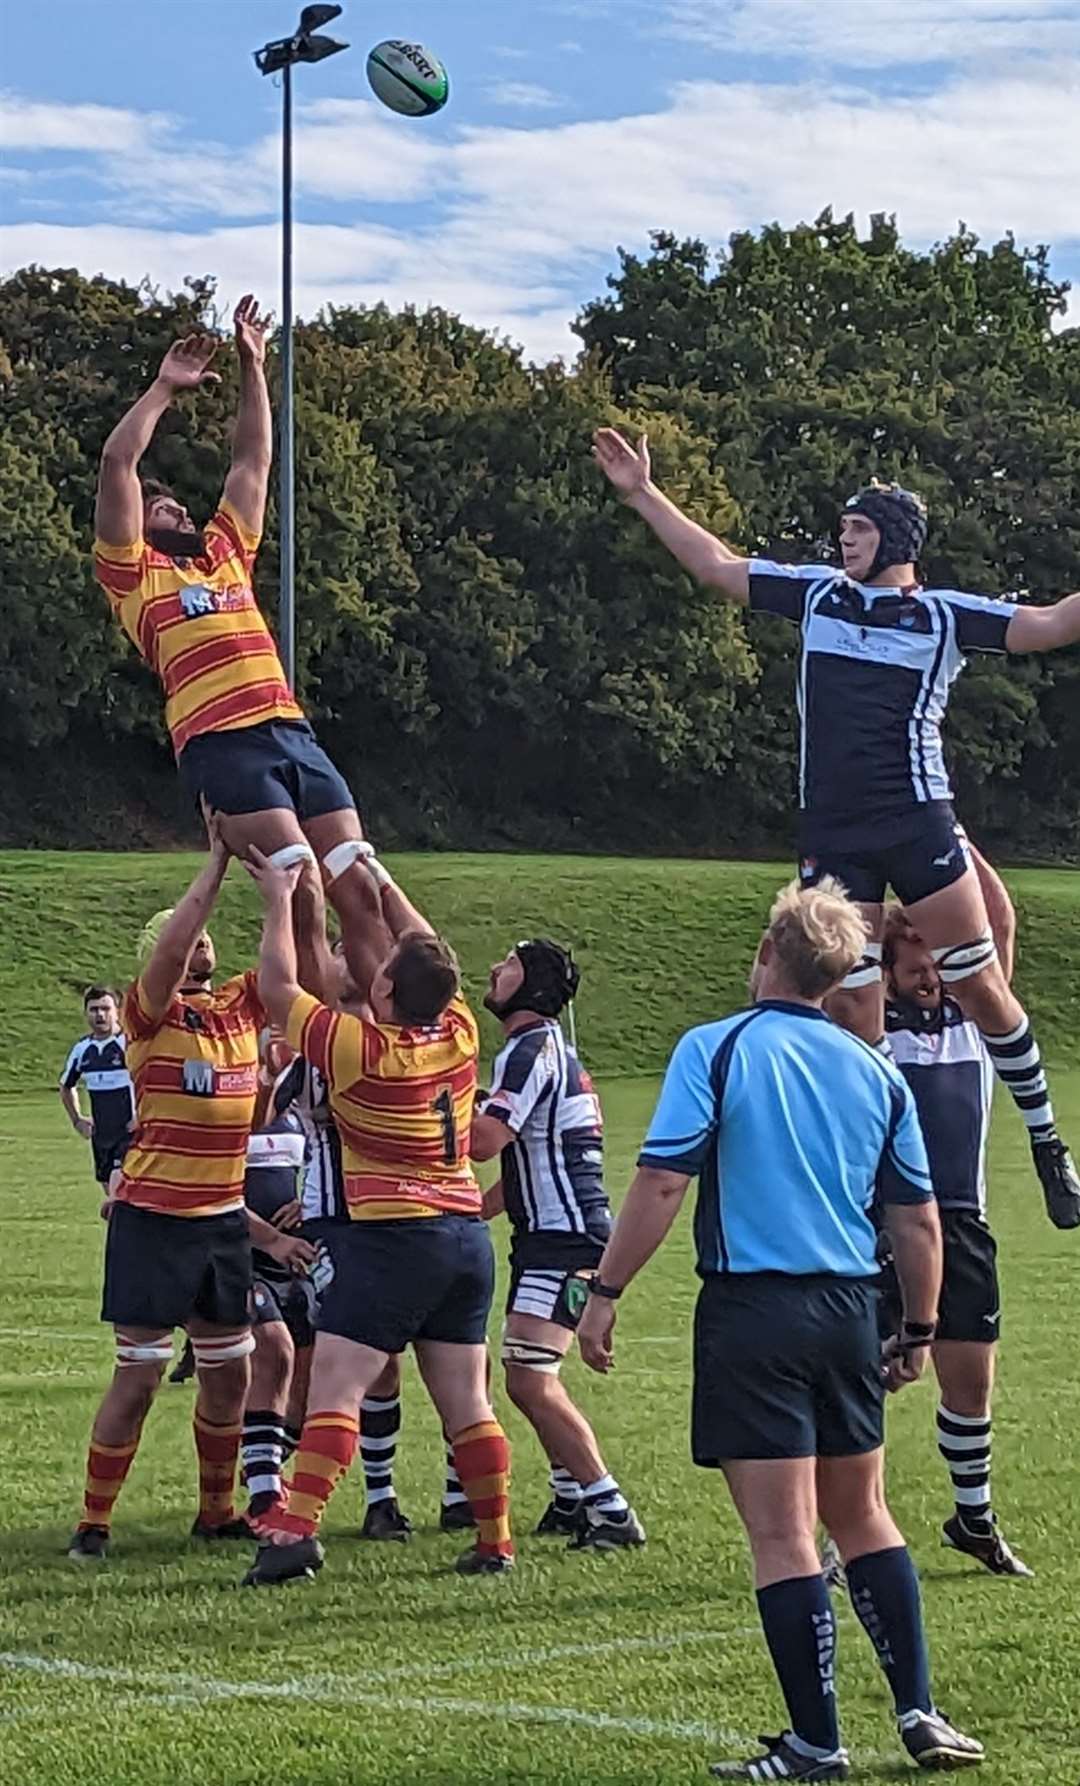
[529, 1355]
[221, 1348]
[867, 970]
[960, 961]
[129, 1351]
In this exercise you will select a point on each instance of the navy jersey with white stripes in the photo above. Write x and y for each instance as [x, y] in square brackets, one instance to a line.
[553, 1173]
[102, 1067]
[322, 1193]
[275, 1156]
[875, 669]
[944, 1060]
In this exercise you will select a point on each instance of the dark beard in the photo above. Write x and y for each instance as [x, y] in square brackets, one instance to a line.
[177, 542]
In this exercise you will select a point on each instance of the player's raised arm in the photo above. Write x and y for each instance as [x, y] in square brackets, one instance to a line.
[118, 518]
[399, 913]
[249, 474]
[164, 972]
[628, 469]
[279, 978]
[1045, 629]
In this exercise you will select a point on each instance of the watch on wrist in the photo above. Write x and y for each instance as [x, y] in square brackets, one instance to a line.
[607, 1291]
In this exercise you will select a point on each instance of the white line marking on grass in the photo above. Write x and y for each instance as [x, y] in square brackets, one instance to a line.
[555, 1653]
[55, 1333]
[181, 1689]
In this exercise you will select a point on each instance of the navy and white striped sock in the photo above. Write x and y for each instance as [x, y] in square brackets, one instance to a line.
[262, 1452]
[964, 1442]
[566, 1492]
[453, 1494]
[604, 1500]
[380, 1423]
[1018, 1064]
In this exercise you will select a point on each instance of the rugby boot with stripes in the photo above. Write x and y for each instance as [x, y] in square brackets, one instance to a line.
[608, 1531]
[783, 1761]
[934, 1743]
[1061, 1186]
[989, 1549]
[279, 1565]
[559, 1522]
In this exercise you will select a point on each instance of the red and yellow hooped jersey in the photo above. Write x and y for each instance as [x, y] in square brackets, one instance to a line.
[402, 1100]
[199, 628]
[196, 1073]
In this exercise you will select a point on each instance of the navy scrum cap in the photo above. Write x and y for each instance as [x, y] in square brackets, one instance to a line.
[551, 979]
[900, 518]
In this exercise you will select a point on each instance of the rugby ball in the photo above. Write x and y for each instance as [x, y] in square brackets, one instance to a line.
[408, 78]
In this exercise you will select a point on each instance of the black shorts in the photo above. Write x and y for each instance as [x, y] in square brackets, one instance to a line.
[422, 1278]
[916, 853]
[548, 1274]
[160, 1270]
[970, 1307]
[108, 1155]
[785, 1367]
[279, 763]
[293, 1303]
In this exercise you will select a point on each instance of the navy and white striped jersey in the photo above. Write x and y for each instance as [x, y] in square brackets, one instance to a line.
[875, 669]
[275, 1156]
[944, 1060]
[322, 1194]
[102, 1067]
[553, 1173]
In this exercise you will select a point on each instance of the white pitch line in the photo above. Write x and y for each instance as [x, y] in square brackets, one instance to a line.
[55, 1333]
[180, 1689]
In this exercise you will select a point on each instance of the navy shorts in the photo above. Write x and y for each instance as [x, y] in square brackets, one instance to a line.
[549, 1274]
[786, 1367]
[970, 1304]
[108, 1155]
[915, 853]
[423, 1278]
[279, 763]
[160, 1270]
[291, 1301]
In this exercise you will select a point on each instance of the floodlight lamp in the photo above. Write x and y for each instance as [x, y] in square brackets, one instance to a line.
[313, 16]
[316, 49]
[273, 57]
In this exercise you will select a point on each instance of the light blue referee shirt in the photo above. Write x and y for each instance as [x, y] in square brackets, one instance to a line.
[792, 1127]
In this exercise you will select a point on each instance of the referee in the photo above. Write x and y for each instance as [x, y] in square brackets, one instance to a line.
[791, 1126]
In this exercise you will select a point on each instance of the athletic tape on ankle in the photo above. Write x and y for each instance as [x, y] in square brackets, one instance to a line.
[290, 854]
[867, 970]
[222, 1349]
[961, 960]
[150, 1352]
[531, 1356]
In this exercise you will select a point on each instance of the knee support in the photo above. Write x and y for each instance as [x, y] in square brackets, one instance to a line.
[130, 1352]
[223, 1348]
[962, 960]
[531, 1356]
[290, 854]
[867, 970]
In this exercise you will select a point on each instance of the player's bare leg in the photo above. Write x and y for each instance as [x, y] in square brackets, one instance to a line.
[141, 1356]
[456, 1378]
[956, 928]
[223, 1373]
[600, 1517]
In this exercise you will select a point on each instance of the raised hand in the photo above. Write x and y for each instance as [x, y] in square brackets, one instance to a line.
[250, 330]
[276, 885]
[626, 467]
[186, 366]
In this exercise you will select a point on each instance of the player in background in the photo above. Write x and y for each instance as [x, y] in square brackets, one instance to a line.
[878, 656]
[543, 1118]
[177, 1252]
[184, 597]
[100, 1061]
[942, 1057]
[415, 1265]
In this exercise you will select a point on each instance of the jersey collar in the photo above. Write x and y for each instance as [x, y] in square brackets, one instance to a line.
[793, 1009]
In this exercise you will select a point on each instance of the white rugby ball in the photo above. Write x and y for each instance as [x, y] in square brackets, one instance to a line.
[408, 78]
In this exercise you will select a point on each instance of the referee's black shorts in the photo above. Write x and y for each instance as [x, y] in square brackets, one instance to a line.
[785, 1367]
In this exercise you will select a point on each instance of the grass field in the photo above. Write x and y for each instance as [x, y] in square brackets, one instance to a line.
[157, 1671]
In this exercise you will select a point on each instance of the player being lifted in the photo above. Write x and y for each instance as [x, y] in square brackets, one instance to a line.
[878, 656]
[184, 597]
[543, 1117]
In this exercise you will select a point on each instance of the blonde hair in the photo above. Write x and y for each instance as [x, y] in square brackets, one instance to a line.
[817, 935]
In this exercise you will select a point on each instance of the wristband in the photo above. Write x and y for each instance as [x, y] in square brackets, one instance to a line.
[914, 1335]
[607, 1291]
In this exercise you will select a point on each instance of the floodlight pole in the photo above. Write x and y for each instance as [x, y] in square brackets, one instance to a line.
[287, 467]
[279, 57]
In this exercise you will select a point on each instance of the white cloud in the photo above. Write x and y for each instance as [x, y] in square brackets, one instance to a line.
[525, 95]
[514, 226]
[886, 33]
[30, 125]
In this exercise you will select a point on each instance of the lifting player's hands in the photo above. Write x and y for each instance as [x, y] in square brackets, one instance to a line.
[624, 466]
[250, 330]
[276, 885]
[186, 366]
[215, 834]
[901, 1363]
[596, 1332]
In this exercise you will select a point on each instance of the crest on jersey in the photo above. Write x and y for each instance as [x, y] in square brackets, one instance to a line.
[196, 599]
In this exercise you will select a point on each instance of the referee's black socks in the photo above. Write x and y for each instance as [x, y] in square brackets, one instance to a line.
[800, 1630]
[884, 1591]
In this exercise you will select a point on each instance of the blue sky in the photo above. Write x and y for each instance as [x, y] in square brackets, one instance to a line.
[136, 138]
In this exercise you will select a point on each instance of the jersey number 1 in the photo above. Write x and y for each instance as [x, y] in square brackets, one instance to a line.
[443, 1107]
